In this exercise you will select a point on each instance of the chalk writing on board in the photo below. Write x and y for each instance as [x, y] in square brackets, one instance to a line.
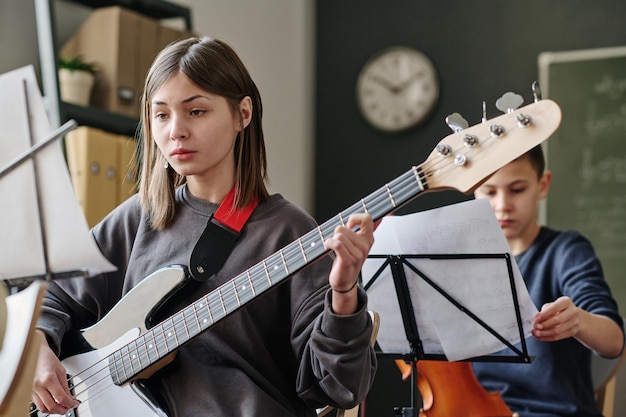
[604, 214]
[598, 123]
[610, 87]
[611, 169]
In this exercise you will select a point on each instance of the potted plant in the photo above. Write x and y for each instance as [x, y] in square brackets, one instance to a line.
[76, 79]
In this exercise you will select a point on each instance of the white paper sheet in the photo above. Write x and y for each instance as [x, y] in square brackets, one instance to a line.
[480, 285]
[69, 245]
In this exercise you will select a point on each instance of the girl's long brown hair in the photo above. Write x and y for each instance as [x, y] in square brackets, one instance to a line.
[215, 67]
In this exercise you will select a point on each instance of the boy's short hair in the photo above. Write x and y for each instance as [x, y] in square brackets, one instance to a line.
[536, 159]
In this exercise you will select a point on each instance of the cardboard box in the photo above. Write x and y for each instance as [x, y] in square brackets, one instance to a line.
[168, 35]
[123, 43]
[147, 49]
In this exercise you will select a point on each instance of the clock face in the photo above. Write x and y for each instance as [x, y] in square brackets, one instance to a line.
[397, 89]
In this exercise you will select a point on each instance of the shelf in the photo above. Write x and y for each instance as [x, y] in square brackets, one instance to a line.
[156, 9]
[101, 119]
[60, 112]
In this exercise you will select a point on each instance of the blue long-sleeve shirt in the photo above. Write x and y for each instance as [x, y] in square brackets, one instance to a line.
[558, 381]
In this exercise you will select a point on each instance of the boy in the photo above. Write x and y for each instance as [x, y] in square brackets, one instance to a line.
[564, 277]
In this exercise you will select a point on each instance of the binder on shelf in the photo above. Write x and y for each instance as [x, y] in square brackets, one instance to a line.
[92, 158]
[127, 180]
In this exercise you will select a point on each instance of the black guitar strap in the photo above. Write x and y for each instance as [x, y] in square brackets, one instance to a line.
[208, 256]
[218, 238]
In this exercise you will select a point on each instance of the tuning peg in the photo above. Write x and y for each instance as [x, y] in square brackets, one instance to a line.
[536, 91]
[456, 122]
[509, 102]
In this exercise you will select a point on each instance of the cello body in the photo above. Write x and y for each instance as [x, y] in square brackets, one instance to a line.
[451, 389]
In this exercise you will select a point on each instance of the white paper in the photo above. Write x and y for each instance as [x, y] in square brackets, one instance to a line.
[482, 286]
[69, 245]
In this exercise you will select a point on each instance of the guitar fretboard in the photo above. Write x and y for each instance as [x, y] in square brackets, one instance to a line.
[480, 150]
[169, 335]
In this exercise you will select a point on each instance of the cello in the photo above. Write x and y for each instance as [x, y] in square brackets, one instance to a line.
[451, 389]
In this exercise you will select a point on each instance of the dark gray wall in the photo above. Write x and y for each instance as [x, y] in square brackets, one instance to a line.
[481, 49]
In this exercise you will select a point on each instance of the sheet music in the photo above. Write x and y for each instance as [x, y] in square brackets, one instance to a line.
[21, 246]
[481, 285]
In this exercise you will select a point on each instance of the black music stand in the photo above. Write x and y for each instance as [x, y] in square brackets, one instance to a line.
[397, 264]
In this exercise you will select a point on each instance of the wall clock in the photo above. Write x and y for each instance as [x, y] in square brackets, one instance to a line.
[397, 89]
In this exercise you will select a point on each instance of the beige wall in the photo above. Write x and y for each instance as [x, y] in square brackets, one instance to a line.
[275, 40]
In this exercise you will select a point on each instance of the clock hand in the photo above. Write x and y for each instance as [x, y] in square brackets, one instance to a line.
[409, 81]
[385, 83]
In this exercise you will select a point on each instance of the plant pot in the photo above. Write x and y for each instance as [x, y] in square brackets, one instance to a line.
[75, 86]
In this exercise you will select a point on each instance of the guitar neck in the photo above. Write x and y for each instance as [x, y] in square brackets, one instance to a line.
[172, 333]
[460, 161]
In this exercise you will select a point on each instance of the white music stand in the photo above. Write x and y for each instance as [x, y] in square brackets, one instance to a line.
[44, 232]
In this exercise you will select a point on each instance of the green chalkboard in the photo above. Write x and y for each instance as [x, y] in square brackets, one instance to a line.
[587, 154]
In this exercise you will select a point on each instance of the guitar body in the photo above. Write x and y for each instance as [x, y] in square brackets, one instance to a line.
[136, 308]
[19, 352]
[87, 363]
[91, 380]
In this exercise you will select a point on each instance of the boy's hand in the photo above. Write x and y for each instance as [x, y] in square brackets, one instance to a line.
[557, 320]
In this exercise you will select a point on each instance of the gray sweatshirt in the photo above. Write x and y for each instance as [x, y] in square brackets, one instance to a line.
[283, 354]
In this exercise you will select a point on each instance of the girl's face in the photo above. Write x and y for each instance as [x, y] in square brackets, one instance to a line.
[513, 192]
[196, 132]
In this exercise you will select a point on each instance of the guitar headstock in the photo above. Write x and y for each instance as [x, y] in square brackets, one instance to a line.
[465, 158]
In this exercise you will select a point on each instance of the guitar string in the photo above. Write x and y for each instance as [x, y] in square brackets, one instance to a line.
[288, 254]
[224, 300]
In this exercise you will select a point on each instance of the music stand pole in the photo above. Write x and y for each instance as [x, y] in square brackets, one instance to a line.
[410, 328]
